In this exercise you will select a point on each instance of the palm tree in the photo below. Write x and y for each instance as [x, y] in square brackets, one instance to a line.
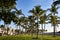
[16, 18]
[53, 16]
[23, 22]
[19, 24]
[37, 12]
[8, 17]
[43, 19]
[31, 23]
[26, 23]
[7, 24]
[54, 23]
[6, 6]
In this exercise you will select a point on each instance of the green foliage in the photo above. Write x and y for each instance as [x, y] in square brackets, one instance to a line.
[5, 13]
[55, 3]
[28, 37]
[7, 3]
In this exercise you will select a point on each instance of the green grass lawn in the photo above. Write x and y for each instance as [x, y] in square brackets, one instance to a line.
[29, 37]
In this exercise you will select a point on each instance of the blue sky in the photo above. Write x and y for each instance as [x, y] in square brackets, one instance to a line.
[26, 5]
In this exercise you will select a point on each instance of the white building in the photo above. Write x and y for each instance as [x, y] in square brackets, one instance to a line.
[3, 31]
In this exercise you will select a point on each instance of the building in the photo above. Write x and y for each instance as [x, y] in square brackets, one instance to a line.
[3, 32]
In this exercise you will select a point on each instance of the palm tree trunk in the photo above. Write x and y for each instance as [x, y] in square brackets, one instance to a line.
[37, 32]
[37, 28]
[42, 29]
[32, 33]
[19, 30]
[44, 26]
[54, 31]
[7, 28]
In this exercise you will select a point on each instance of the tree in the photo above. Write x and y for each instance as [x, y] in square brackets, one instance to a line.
[23, 22]
[5, 6]
[53, 17]
[7, 20]
[5, 13]
[17, 18]
[43, 19]
[37, 12]
[31, 24]
[5, 9]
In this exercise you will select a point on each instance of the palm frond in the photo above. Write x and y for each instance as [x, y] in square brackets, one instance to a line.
[56, 2]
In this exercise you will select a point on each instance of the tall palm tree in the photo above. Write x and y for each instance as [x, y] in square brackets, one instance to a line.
[23, 22]
[6, 22]
[26, 23]
[16, 18]
[43, 19]
[53, 21]
[53, 16]
[37, 12]
[31, 23]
